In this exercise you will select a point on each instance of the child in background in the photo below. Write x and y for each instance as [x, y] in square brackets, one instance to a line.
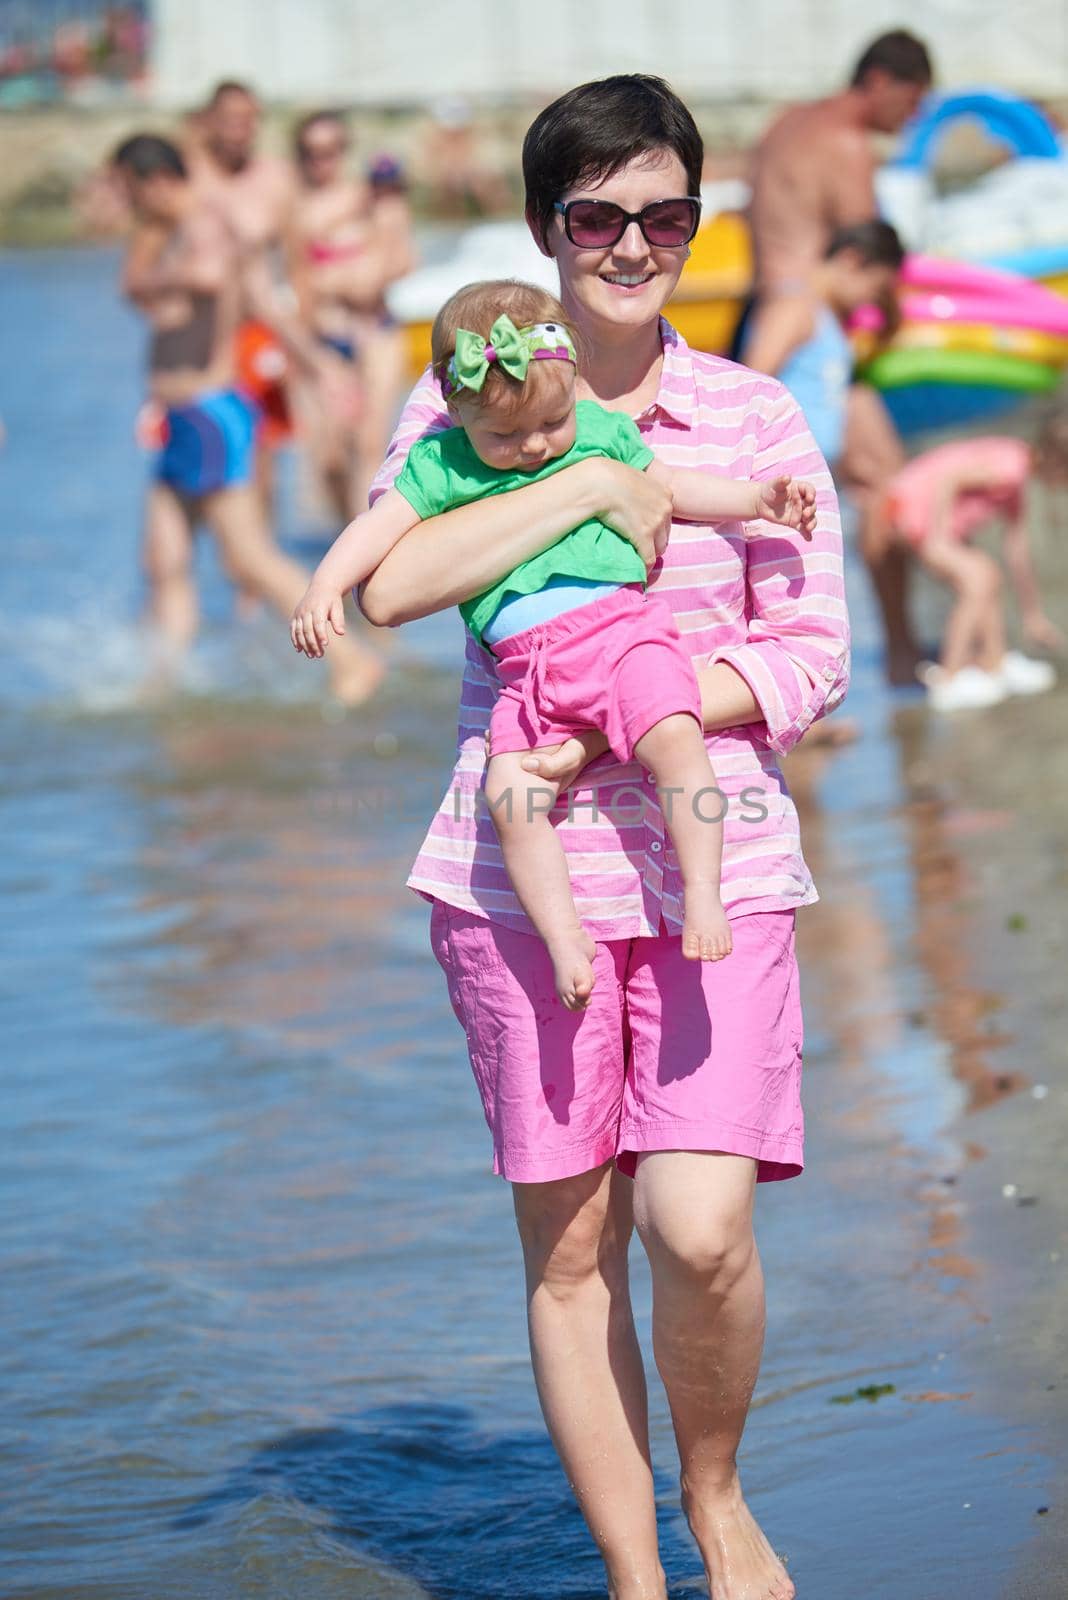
[801, 338]
[934, 506]
[577, 644]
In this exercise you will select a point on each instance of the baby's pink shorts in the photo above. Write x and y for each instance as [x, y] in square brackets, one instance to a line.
[669, 1055]
[616, 664]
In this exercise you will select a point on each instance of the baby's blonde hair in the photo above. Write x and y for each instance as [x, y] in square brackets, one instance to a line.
[477, 307]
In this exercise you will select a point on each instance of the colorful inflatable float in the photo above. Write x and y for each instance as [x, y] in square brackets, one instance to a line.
[977, 335]
[973, 342]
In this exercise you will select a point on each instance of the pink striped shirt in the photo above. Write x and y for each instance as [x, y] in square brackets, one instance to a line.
[758, 597]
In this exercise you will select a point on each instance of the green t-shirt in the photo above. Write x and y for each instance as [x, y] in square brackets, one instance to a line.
[443, 471]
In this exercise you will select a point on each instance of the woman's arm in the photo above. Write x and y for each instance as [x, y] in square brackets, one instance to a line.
[795, 654]
[726, 702]
[450, 558]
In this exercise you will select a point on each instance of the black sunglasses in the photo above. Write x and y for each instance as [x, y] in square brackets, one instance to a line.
[598, 224]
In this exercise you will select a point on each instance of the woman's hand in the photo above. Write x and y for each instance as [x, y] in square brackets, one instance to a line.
[633, 505]
[320, 609]
[563, 764]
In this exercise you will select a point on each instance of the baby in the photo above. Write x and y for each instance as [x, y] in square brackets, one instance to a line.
[576, 642]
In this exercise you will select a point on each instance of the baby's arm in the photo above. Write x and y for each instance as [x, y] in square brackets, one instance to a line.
[355, 553]
[700, 496]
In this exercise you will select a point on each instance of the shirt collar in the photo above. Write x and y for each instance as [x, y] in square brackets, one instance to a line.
[676, 399]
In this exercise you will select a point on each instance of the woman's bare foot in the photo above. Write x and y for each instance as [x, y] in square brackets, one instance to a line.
[355, 674]
[706, 933]
[572, 958]
[739, 1561]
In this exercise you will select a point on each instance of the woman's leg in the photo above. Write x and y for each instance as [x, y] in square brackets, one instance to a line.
[674, 752]
[694, 1214]
[588, 1365]
[975, 629]
[519, 804]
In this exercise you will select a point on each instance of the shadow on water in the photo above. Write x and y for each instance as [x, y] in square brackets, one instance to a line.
[468, 1514]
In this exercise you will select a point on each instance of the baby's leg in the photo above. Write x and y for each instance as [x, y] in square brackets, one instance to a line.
[519, 805]
[674, 752]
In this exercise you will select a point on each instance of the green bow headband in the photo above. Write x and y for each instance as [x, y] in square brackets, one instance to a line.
[508, 347]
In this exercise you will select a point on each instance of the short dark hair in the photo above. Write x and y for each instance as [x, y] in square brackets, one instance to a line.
[876, 243]
[900, 55]
[146, 155]
[231, 86]
[594, 130]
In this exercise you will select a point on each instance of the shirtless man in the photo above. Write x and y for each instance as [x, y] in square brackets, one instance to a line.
[190, 275]
[255, 192]
[813, 173]
[256, 189]
[348, 240]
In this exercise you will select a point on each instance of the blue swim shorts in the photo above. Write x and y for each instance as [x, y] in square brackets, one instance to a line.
[210, 445]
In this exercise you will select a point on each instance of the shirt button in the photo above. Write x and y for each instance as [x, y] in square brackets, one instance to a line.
[650, 777]
[656, 847]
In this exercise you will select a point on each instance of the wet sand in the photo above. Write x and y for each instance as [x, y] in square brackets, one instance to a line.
[940, 846]
[268, 1335]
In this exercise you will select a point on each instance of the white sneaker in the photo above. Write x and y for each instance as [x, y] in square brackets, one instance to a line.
[970, 689]
[1024, 675]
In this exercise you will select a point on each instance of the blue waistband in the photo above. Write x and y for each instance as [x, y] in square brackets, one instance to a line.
[518, 612]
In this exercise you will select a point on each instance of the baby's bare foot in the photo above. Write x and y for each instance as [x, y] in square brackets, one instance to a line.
[572, 958]
[706, 933]
[739, 1561]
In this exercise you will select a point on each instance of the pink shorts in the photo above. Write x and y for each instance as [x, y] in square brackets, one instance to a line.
[617, 664]
[669, 1055]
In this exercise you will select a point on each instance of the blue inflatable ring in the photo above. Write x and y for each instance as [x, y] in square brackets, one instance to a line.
[1016, 122]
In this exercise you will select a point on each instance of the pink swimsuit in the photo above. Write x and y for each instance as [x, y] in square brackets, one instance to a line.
[911, 496]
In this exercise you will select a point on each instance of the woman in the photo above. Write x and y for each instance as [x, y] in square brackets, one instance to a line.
[348, 240]
[663, 1103]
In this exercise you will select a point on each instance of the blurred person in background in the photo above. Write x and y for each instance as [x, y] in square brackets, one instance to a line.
[934, 507]
[193, 278]
[802, 338]
[814, 172]
[255, 192]
[461, 183]
[348, 239]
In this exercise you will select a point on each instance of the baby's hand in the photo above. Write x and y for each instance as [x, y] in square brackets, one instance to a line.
[308, 628]
[790, 503]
